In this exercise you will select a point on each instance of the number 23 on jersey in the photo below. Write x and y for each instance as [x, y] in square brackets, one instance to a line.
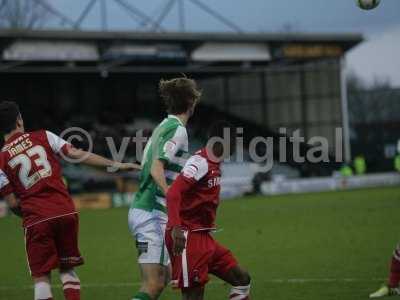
[34, 158]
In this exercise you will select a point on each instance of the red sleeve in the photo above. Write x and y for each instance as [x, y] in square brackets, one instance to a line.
[56, 143]
[174, 199]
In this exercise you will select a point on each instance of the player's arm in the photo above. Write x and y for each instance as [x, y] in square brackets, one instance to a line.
[166, 149]
[59, 145]
[174, 200]
[95, 160]
[195, 169]
[158, 173]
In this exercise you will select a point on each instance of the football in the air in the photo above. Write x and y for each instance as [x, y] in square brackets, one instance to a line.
[368, 4]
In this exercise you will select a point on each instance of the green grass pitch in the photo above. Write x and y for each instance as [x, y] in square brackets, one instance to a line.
[313, 246]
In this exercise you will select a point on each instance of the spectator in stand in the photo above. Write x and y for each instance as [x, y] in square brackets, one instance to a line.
[346, 170]
[397, 162]
[360, 165]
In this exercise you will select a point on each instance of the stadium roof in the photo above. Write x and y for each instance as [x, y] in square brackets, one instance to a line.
[345, 38]
[91, 51]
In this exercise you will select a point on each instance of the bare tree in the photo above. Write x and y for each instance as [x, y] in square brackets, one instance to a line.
[22, 14]
[368, 102]
[372, 109]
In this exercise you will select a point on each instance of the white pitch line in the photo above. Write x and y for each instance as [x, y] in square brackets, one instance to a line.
[134, 284]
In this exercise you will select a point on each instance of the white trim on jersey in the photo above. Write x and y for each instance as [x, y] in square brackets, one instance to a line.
[178, 141]
[185, 273]
[195, 168]
[162, 201]
[210, 229]
[179, 160]
[56, 143]
[48, 219]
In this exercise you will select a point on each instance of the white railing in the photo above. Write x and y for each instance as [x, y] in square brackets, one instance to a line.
[287, 186]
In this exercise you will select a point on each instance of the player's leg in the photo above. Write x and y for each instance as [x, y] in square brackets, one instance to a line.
[68, 254]
[239, 279]
[394, 278]
[42, 288]
[147, 229]
[195, 293]
[153, 281]
[42, 258]
[190, 270]
[225, 266]
[71, 284]
[392, 287]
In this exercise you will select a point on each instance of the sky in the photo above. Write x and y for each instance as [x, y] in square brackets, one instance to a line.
[375, 59]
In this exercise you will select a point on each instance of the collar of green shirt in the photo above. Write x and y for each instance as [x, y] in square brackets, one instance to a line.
[175, 117]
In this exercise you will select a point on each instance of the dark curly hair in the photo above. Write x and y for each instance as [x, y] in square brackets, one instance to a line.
[9, 113]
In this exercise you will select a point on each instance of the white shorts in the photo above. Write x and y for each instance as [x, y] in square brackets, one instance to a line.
[148, 230]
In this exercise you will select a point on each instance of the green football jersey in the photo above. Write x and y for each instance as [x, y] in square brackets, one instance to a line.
[169, 143]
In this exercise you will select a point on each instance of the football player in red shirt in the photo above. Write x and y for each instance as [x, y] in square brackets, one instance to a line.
[31, 182]
[392, 287]
[192, 203]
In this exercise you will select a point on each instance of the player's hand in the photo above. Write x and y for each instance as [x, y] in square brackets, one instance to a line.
[179, 240]
[166, 189]
[127, 166]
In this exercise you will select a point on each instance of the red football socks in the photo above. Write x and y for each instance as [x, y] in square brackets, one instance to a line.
[394, 278]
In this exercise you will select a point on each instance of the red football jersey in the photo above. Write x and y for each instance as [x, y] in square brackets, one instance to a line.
[193, 198]
[30, 168]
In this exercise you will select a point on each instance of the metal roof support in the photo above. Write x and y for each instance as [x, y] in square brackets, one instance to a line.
[84, 13]
[217, 16]
[133, 16]
[138, 13]
[55, 12]
[104, 16]
[163, 14]
[181, 13]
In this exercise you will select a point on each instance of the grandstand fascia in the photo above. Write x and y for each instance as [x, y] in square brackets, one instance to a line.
[167, 52]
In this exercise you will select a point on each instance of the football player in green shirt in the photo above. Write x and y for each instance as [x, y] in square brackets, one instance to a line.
[164, 156]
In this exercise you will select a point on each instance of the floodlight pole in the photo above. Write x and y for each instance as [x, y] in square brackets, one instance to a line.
[345, 111]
